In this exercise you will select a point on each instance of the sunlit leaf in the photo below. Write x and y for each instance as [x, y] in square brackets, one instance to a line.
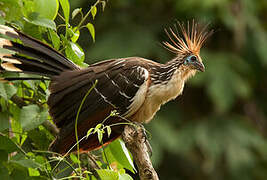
[121, 154]
[66, 9]
[39, 21]
[54, 38]
[76, 35]
[93, 11]
[100, 135]
[74, 52]
[89, 132]
[33, 172]
[75, 12]
[108, 130]
[98, 127]
[91, 29]
[125, 177]
[48, 13]
[74, 158]
[108, 174]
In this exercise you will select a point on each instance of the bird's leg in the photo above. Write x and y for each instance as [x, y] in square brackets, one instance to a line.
[144, 135]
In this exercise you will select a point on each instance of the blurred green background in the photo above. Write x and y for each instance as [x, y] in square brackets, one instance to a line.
[217, 128]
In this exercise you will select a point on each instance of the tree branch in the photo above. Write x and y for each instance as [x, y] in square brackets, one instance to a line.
[136, 141]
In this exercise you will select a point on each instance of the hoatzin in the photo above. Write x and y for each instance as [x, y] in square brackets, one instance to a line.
[135, 87]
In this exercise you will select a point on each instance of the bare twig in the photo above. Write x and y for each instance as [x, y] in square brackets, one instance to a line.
[136, 142]
[51, 127]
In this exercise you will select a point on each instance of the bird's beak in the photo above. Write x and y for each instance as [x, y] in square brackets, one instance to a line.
[199, 66]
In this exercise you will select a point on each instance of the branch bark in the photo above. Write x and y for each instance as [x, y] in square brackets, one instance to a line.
[136, 141]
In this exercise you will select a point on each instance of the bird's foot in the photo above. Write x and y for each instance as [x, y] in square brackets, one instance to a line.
[140, 129]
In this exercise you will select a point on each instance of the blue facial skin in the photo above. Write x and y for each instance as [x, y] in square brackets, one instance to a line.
[193, 61]
[190, 60]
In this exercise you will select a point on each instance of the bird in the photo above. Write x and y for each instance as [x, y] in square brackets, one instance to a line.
[133, 87]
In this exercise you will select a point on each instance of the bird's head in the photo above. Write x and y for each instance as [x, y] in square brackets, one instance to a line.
[187, 47]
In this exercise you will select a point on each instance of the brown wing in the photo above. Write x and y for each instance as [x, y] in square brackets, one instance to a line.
[118, 82]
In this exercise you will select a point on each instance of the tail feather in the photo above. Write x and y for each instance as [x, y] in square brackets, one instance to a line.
[7, 79]
[32, 56]
[31, 66]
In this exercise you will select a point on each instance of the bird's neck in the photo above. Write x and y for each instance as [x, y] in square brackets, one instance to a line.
[163, 73]
[169, 78]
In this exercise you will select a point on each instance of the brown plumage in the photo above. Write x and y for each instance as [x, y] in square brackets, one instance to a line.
[135, 87]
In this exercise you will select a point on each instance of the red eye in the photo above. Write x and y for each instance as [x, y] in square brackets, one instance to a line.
[193, 58]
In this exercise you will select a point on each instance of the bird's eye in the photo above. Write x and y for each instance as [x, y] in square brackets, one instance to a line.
[192, 58]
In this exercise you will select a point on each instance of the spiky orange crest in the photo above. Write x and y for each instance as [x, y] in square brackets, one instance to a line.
[192, 39]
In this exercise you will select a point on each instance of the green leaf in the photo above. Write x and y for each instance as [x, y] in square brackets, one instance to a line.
[54, 38]
[89, 132]
[114, 113]
[49, 12]
[9, 7]
[98, 127]
[32, 116]
[75, 12]
[28, 163]
[103, 5]
[120, 153]
[108, 174]
[7, 90]
[33, 172]
[74, 158]
[93, 11]
[108, 130]
[7, 145]
[39, 21]
[91, 29]
[75, 53]
[66, 9]
[75, 35]
[37, 6]
[40, 137]
[100, 135]
[125, 177]
[16, 125]
[4, 121]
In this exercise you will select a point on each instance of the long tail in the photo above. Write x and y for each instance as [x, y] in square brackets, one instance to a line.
[30, 56]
